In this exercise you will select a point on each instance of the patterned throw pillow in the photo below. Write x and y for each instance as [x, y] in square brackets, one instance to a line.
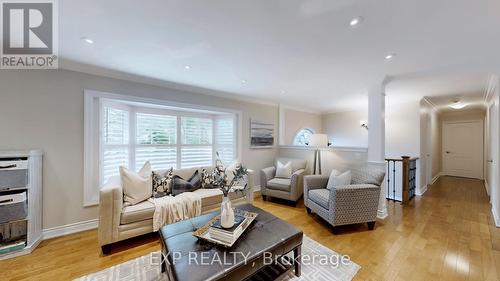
[208, 179]
[162, 183]
[180, 185]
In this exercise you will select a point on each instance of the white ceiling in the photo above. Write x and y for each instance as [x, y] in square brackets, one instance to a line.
[305, 48]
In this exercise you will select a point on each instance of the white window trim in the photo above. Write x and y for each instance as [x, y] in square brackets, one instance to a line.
[92, 149]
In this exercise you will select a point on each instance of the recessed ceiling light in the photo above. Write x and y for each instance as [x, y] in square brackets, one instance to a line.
[390, 56]
[283, 91]
[87, 40]
[243, 81]
[355, 21]
[187, 67]
[457, 105]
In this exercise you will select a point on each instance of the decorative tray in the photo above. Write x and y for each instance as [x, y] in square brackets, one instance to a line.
[203, 232]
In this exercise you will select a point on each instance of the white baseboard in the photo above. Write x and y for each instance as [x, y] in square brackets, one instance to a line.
[69, 229]
[487, 187]
[436, 177]
[496, 218]
[382, 214]
[420, 191]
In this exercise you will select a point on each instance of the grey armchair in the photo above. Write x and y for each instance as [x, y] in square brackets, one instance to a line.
[349, 204]
[289, 189]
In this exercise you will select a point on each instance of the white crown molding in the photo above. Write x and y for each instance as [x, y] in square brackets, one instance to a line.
[490, 85]
[109, 73]
[62, 230]
[429, 102]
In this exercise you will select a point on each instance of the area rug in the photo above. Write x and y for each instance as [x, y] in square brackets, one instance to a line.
[315, 267]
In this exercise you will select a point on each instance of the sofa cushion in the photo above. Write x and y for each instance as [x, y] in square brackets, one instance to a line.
[279, 184]
[320, 197]
[139, 212]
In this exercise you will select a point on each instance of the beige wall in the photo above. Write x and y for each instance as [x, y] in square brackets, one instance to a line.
[436, 144]
[44, 109]
[343, 128]
[296, 120]
[402, 130]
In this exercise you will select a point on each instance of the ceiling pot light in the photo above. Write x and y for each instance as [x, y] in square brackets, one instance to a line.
[390, 56]
[457, 105]
[283, 92]
[187, 67]
[87, 40]
[355, 21]
[243, 81]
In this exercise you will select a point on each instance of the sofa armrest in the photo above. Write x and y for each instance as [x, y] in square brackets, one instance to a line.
[314, 182]
[110, 209]
[266, 175]
[297, 183]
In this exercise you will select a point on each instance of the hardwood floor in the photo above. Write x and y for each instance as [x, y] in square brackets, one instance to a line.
[447, 234]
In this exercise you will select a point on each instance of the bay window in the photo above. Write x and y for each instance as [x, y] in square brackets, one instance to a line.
[131, 135]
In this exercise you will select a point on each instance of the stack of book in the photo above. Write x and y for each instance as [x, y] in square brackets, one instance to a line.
[227, 235]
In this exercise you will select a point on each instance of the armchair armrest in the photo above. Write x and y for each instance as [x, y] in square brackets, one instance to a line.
[110, 208]
[266, 175]
[362, 200]
[314, 182]
[297, 183]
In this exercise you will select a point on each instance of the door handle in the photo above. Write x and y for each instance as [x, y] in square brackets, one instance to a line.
[490, 161]
[447, 152]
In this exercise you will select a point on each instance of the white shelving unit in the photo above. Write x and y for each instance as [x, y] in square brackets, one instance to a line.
[34, 198]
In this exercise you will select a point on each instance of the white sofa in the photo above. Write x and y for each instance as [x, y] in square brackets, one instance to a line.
[118, 222]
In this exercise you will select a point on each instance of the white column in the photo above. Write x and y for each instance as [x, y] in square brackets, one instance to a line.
[376, 138]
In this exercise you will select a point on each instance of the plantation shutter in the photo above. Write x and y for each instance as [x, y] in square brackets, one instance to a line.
[115, 142]
[196, 142]
[156, 141]
[225, 139]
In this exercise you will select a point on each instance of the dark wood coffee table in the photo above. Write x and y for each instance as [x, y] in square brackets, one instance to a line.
[268, 239]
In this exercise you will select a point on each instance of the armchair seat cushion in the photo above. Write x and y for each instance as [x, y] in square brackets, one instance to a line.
[279, 184]
[138, 212]
[320, 196]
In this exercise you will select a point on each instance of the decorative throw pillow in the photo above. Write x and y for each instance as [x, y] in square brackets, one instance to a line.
[284, 171]
[136, 186]
[339, 180]
[162, 182]
[180, 185]
[208, 179]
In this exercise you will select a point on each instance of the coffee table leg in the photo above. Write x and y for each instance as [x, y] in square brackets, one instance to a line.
[296, 260]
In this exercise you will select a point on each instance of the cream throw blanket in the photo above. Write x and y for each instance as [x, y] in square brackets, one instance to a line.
[170, 209]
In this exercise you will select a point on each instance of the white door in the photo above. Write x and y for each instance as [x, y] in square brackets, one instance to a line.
[492, 147]
[463, 149]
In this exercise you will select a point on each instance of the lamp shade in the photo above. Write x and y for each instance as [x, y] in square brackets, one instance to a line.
[318, 140]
